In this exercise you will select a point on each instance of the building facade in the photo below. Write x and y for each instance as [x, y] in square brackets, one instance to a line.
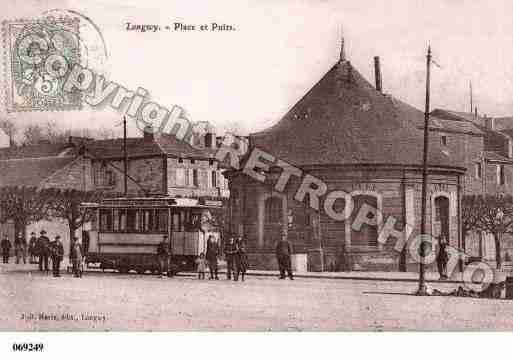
[156, 166]
[354, 138]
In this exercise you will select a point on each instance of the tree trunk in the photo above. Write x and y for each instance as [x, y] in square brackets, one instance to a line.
[72, 224]
[498, 260]
[464, 240]
[402, 261]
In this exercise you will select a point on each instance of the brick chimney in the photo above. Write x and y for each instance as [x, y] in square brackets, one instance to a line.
[377, 73]
[209, 140]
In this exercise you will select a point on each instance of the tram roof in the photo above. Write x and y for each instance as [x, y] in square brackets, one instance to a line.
[145, 202]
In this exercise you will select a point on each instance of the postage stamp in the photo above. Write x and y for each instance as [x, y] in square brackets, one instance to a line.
[37, 56]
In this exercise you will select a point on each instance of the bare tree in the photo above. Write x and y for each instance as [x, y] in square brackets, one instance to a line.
[25, 205]
[66, 205]
[491, 214]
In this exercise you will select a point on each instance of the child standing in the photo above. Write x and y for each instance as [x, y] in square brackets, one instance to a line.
[202, 266]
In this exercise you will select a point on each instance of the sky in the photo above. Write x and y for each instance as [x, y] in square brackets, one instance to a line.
[248, 78]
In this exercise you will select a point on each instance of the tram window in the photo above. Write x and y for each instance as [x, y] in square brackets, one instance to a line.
[122, 220]
[147, 216]
[176, 222]
[131, 220]
[161, 218]
[105, 220]
[115, 220]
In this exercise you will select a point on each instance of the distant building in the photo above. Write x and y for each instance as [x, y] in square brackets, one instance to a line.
[484, 145]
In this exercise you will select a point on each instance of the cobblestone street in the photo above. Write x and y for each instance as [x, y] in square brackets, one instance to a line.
[111, 301]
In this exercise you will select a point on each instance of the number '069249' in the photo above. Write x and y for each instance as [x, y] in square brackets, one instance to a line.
[27, 347]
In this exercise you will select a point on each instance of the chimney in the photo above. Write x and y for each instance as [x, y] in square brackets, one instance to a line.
[342, 51]
[377, 73]
[148, 134]
[209, 140]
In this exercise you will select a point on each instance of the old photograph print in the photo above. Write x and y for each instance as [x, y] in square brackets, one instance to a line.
[256, 166]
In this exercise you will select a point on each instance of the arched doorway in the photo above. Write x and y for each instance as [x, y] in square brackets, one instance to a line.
[368, 234]
[273, 220]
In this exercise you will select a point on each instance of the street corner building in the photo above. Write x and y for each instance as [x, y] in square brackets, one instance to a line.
[353, 137]
[157, 165]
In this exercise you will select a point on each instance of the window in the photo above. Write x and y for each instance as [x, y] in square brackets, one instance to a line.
[214, 179]
[501, 179]
[188, 176]
[180, 176]
[192, 162]
[478, 170]
[443, 140]
[147, 216]
[211, 162]
[105, 220]
[161, 220]
[132, 224]
[195, 181]
[180, 160]
[273, 210]
[109, 178]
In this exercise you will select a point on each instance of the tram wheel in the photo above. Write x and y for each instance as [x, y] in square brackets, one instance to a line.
[123, 270]
[140, 270]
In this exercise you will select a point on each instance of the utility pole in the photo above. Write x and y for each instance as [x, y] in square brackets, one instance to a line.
[471, 99]
[125, 157]
[422, 280]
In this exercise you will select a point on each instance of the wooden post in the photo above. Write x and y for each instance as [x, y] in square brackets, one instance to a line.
[422, 280]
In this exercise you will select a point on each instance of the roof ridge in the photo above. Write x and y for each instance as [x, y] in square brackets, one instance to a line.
[35, 158]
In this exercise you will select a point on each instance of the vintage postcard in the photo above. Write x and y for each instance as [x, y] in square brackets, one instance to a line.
[236, 166]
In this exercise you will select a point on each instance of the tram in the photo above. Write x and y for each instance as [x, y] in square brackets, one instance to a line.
[125, 232]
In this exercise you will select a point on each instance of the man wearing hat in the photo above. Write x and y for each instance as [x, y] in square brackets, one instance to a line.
[32, 247]
[6, 247]
[20, 247]
[43, 248]
[57, 253]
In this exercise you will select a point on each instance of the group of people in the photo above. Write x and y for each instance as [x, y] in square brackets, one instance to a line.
[41, 249]
[20, 249]
[237, 259]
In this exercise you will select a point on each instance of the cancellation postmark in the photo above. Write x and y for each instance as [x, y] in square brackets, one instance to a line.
[37, 56]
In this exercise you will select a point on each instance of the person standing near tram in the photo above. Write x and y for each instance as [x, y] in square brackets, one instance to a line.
[211, 256]
[163, 257]
[241, 259]
[230, 250]
[20, 247]
[6, 247]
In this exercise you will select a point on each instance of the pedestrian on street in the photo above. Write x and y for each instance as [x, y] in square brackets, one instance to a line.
[212, 254]
[163, 257]
[57, 254]
[6, 247]
[43, 248]
[32, 248]
[76, 257]
[20, 247]
[241, 261]
[283, 253]
[201, 264]
[230, 249]
[441, 259]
